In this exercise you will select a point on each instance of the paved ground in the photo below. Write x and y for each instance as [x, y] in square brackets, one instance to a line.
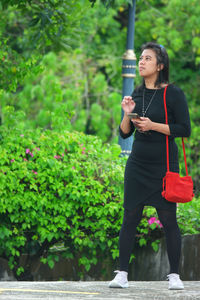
[151, 290]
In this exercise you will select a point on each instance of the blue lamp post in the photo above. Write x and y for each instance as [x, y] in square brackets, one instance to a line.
[128, 71]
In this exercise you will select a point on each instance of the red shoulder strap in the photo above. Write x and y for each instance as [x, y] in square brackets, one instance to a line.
[167, 138]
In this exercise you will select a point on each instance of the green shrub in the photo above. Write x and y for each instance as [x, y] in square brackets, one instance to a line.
[58, 187]
[188, 217]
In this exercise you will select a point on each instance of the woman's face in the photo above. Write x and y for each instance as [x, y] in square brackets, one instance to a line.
[148, 66]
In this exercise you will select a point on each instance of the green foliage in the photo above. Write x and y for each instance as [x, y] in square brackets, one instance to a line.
[42, 24]
[14, 68]
[31, 28]
[57, 95]
[109, 3]
[174, 24]
[63, 187]
[188, 217]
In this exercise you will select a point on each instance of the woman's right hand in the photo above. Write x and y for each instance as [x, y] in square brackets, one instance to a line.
[128, 104]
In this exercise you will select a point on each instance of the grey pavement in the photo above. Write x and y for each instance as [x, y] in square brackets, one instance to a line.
[97, 290]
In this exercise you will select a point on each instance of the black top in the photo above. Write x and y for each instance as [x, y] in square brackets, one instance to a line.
[177, 110]
[146, 165]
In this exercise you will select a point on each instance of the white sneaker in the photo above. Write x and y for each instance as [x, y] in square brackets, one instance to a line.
[120, 280]
[174, 282]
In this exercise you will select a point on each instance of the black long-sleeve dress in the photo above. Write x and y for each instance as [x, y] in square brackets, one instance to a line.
[146, 165]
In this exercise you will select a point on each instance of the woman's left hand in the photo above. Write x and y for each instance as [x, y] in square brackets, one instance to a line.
[143, 124]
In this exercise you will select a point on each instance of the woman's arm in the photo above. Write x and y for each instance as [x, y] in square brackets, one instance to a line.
[180, 126]
[126, 127]
[145, 124]
[125, 124]
[162, 128]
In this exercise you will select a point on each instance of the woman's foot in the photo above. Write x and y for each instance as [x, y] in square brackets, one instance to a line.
[120, 280]
[174, 282]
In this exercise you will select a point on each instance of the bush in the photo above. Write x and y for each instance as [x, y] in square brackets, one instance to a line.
[58, 187]
[188, 217]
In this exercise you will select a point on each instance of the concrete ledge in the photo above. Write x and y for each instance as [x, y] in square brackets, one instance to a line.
[146, 290]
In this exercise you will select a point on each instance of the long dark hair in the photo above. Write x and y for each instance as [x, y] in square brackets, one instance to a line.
[162, 58]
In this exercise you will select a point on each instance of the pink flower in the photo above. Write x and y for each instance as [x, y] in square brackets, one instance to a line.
[151, 220]
[38, 149]
[57, 156]
[154, 220]
[73, 167]
[12, 160]
[34, 172]
[83, 148]
[29, 152]
[62, 154]
[83, 152]
[25, 159]
[159, 223]
[21, 135]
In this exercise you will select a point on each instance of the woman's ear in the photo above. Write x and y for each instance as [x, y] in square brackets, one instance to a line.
[160, 67]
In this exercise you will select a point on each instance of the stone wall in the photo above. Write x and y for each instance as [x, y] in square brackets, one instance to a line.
[147, 266]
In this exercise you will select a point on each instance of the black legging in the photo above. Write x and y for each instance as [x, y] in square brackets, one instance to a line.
[128, 231]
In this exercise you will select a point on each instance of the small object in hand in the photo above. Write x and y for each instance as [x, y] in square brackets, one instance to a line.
[133, 115]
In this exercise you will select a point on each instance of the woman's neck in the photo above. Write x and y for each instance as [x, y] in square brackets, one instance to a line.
[150, 83]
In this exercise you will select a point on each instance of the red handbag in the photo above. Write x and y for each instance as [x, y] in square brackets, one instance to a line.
[176, 188]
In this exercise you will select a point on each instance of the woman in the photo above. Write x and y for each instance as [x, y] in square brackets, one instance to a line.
[146, 165]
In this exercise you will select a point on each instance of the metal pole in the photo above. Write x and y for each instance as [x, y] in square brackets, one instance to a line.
[128, 71]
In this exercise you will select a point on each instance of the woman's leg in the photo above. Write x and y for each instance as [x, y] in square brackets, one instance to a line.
[127, 235]
[173, 237]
